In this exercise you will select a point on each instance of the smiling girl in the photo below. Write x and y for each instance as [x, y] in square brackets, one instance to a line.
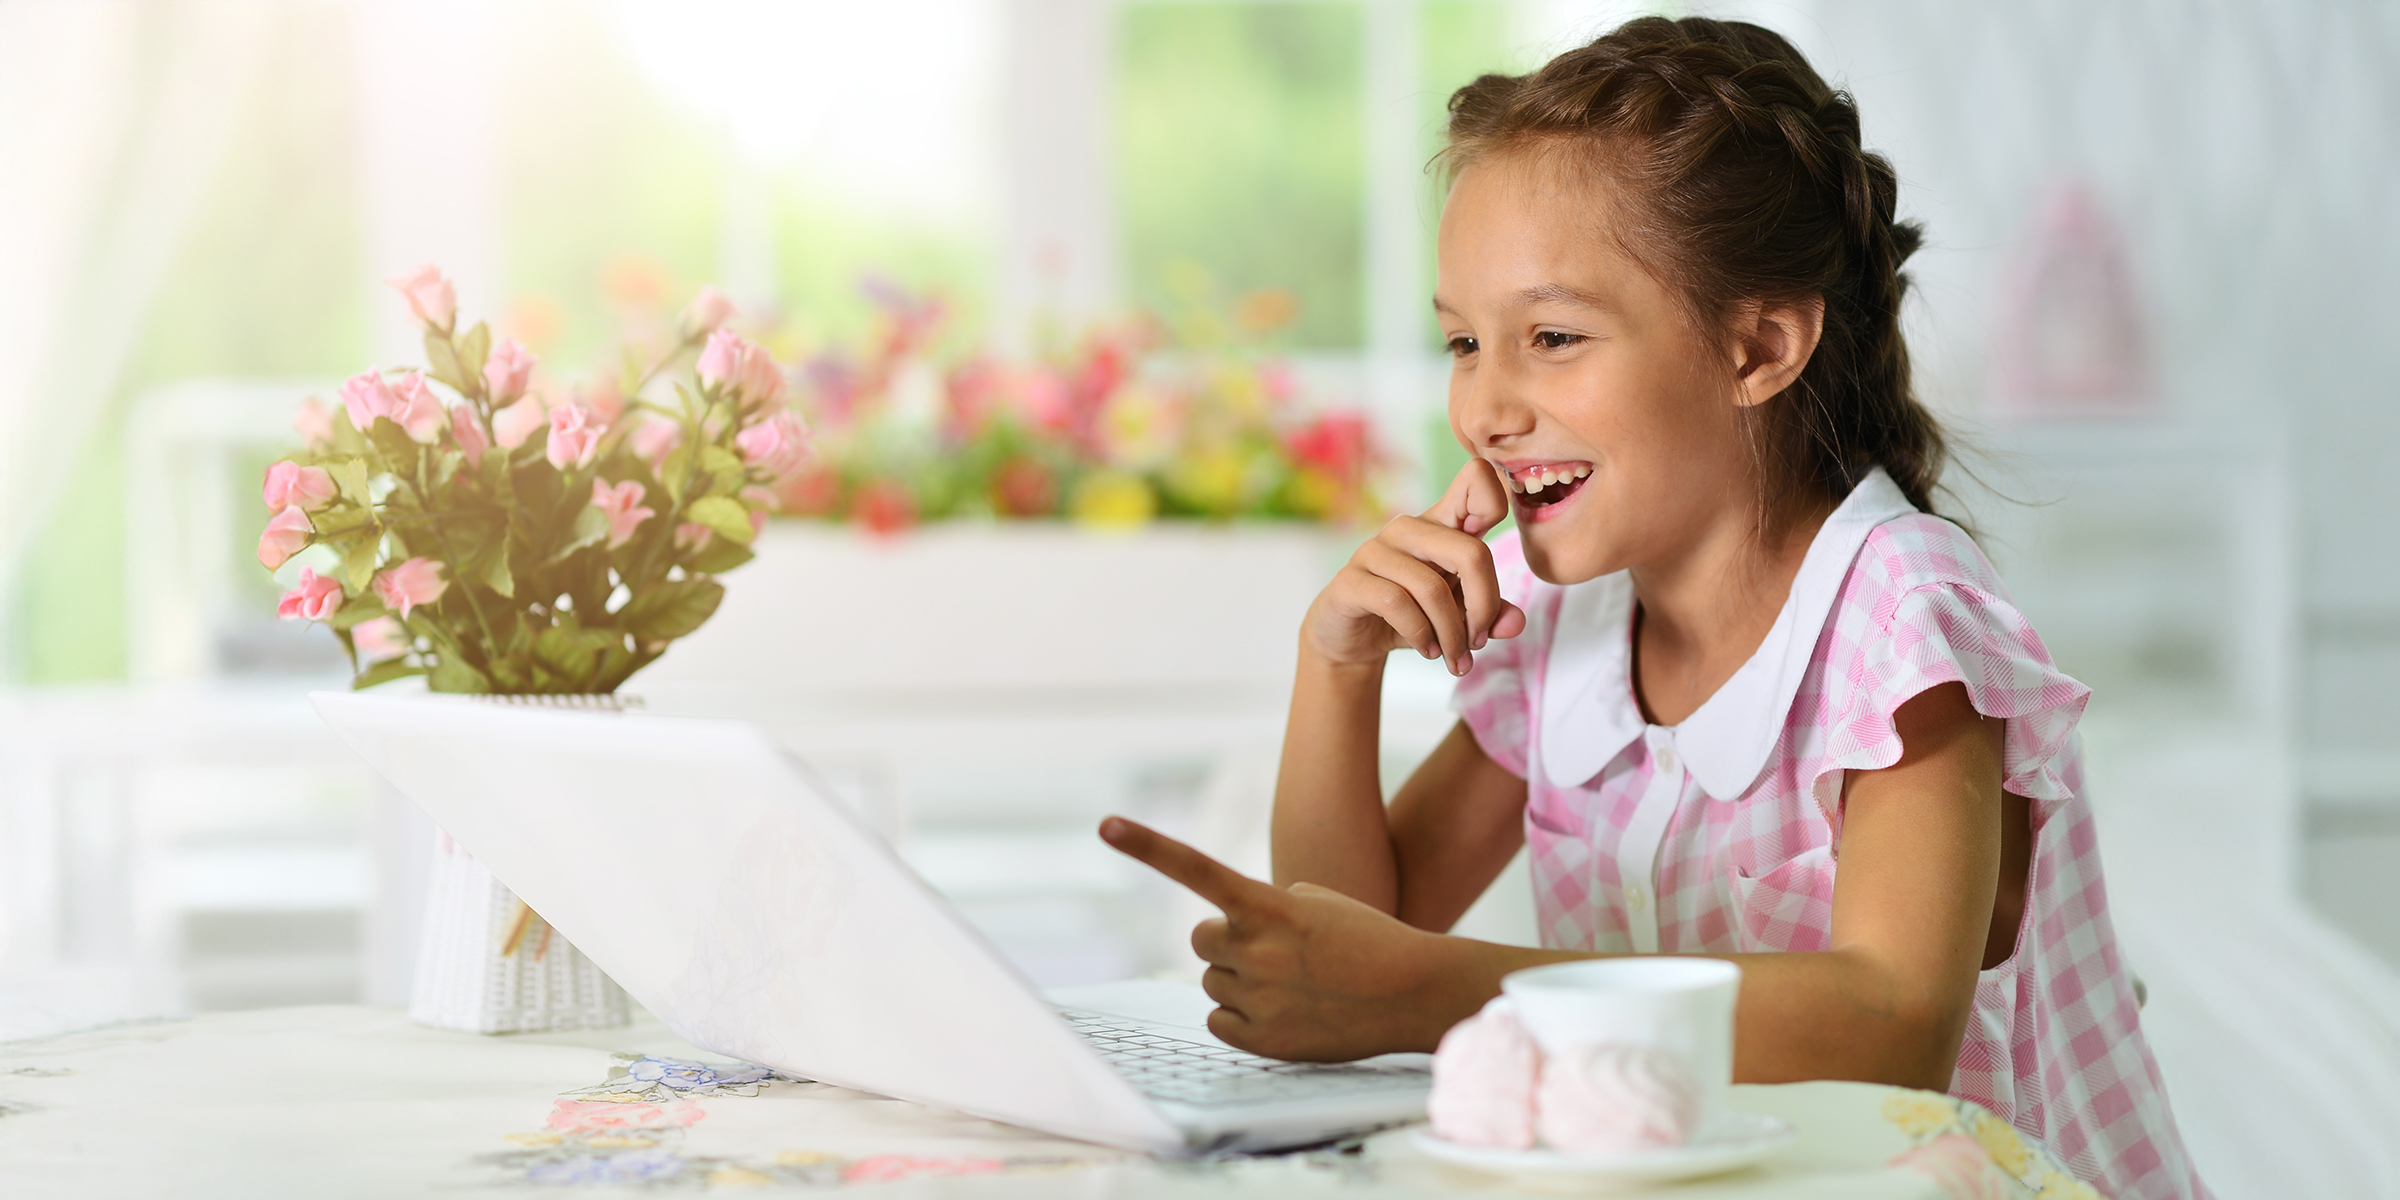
[1732, 683]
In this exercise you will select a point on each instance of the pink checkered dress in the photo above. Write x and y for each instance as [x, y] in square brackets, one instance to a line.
[1720, 835]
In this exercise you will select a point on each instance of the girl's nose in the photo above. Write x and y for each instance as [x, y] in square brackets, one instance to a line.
[1485, 408]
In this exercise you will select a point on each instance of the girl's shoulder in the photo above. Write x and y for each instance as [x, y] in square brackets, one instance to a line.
[1914, 552]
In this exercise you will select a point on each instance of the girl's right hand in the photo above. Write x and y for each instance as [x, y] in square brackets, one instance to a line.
[1425, 582]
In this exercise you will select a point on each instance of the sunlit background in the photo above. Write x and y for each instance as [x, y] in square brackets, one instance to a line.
[2156, 303]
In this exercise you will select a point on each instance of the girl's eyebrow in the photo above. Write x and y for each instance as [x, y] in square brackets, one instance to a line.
[1559, 293]
[1543, 293]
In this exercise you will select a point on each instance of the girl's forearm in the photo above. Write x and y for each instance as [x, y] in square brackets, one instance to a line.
[1329, 826]
[1828, 1014]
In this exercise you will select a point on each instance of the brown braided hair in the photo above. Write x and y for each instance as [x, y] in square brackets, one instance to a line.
[1748, 185]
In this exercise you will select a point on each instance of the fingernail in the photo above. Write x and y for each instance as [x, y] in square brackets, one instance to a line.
[1480, 639]
[1430, 652]
[1459, 667]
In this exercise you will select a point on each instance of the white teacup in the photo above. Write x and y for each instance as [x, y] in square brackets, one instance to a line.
[1678, 1006]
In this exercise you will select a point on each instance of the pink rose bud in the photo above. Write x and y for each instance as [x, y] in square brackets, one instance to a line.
[1484, 1074]
[512, 425]
[286, 533]
[506, 370]
[620, 505]
[421, 412]
[417, 581]
[380, 639]
[708, 310]
[314, 422]
[761, 498]
[761, 381]
[315, 599]
[291, 485]
[758, 522]
[574, 439]
[691, 535]
[430, 297]
[778, 445]
[367, 397]
[1616, 1098]
[656, 438]
[601, 396]
[721, 358]
[467, 433]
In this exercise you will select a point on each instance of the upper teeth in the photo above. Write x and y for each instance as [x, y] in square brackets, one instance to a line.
[1541, 477]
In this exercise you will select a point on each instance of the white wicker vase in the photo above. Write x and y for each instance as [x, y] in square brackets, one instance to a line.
[489, 964]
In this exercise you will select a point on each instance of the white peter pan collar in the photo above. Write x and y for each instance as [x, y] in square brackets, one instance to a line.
[1588, 709]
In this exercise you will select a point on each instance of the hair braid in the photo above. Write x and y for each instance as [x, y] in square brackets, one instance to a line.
[1751, 185]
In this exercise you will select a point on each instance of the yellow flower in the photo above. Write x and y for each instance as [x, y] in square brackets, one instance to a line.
[1114, 500]
[1210, 480]
[538, 1138]
[2058, 1185]
[738, 1177]
[1917, 1114]
[621, 1141]
[1317, 494]
[2000, 1140]
[803, 1158]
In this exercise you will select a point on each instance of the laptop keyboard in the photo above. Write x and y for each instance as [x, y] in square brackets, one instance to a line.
[1205, 1074]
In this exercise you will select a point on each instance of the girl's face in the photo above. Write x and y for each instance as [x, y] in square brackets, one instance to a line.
[1576, 376]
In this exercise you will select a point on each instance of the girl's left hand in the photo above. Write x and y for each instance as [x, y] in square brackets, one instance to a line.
[1307, 973]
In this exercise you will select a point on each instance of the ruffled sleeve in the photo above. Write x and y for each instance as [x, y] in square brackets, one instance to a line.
[1953, 631]
[1495, 697]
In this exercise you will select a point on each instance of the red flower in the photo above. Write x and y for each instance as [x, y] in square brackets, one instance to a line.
[883, 506]
[1341, 444]
[816, 491]
[1024, 488]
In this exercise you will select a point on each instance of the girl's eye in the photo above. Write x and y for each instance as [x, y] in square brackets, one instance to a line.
[1551, 339]
[1462, 346]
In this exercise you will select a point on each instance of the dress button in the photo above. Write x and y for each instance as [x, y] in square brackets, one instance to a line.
[1633, 897]
[1666, 759]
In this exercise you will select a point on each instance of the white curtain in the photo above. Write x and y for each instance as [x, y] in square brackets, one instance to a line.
[113, 114]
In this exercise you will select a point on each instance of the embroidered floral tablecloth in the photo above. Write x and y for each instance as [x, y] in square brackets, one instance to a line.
[358, 1102]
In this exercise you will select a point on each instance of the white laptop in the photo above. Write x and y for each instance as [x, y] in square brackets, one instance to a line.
[723, 887]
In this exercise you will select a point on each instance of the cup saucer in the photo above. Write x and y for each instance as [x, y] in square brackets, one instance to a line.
[1732, 1141]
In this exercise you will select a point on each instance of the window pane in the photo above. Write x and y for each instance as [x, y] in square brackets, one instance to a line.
[1238, 159]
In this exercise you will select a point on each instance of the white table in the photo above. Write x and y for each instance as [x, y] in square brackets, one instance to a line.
[357, 1102]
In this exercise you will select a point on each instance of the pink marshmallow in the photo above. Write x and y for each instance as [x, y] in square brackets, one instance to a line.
[1616, 1098]
[1484, 1076]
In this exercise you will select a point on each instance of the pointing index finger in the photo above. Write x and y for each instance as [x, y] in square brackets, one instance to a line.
[1213, 881]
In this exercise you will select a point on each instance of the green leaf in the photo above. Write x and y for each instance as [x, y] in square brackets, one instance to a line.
[393, 443]
[358, 564]
[719, 556]
[451, 675]
[723, 514]
[725, 467]
[443, 358]
[357, 610]
[474, 349]
[564, 654]
[677, 465]
[350, 475]
[591, 526]
[384, 672]
[346, 437]
[333, 522]
[671, 609]
[490, 568]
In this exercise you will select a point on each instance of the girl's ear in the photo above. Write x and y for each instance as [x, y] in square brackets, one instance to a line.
[1771, 344]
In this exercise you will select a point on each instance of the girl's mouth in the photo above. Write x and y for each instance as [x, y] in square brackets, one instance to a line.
[1535, 489]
